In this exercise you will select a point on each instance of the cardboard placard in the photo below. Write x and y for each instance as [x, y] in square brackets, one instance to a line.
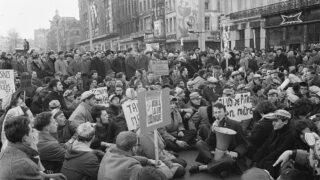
[159, 67]
[154, 109]
[131, 113]
[153, 47]
[101, 95]
[7, 87]
[239, 108]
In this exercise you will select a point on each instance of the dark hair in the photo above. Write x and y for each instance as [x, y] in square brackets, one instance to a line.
[96, 112]
[129, 49]
[256, 88]
[265, 107]
[53, 83]
[305, 103]
[300, 125]
[147, 173]
[92, 72]
[16, 127]
[220, 106]
[119, 75]
[182, 69]
[42, 120]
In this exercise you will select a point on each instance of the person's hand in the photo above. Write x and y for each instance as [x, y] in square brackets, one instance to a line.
[232, 154]
[284, 157]
[55, 176]
[152, 162]
[105, 144]
[188, 110]
[187, 115]
[182, 144]
[214, 126]
[180, 134]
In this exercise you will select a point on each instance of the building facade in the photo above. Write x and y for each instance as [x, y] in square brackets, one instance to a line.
[136, 23]
[293, 25]
[272, 24]
[182, 23]
[64, 33]
[40, 39]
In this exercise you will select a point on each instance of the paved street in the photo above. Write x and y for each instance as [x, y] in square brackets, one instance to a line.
[190, 156]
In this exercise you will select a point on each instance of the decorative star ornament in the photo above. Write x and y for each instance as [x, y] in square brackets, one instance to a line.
[292, 19]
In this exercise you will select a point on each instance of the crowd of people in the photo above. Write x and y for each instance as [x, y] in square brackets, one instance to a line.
[56, 128]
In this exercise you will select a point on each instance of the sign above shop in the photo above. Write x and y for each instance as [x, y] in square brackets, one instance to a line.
[291, 19]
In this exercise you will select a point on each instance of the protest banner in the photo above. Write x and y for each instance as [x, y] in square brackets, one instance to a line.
[131, 113]
[101, 95]
[159, 68]
[239, 108]
[154, 112]
[152, 47]
[7, 87]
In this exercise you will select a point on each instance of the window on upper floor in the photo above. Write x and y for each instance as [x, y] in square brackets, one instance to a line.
[170, 25]
[206, 5]
[144, 5]
[167, 27]
[140, 9]
[207, 23]
[174, 23]
[153, 3]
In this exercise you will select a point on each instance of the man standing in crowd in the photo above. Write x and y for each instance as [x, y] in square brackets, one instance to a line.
[131, 64]
[56, 93]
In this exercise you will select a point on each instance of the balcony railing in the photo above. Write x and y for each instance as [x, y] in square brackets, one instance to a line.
[276, 8]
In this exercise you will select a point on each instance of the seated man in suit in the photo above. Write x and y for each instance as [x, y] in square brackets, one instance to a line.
[237, 148]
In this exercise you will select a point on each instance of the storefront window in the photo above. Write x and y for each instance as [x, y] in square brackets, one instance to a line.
[276, 38]
[313, 36]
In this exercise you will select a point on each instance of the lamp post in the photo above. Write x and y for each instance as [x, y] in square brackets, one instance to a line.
[89, 4]
[201, 40]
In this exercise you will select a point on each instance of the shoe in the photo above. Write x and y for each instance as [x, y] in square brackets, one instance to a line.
[194, 169]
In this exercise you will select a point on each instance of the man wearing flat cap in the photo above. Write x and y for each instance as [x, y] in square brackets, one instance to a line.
[213, 90]
[119, 161]
[280, 140]
[83, 112]
[273, 97]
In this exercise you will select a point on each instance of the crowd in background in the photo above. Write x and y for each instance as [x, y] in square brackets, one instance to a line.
[56, 129]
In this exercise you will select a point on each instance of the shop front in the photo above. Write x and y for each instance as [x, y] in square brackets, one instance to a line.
[294, 30]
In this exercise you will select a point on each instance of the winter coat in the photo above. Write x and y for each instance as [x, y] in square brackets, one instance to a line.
[259, 134]
[281, 61]
[18, 161]
[51, 152]
[61, 66]
[55, 96]
[119, 165]
[98, 65]
[277, 142]
[80, 115]
[143, 62]
[131, 66]
[74, 67]
[80, 165]
[118, 65]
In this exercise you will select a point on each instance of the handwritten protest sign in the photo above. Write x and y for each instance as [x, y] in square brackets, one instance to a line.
[154, 109]
[7, 87]
[160, 68]
[131, 113]
[101, 95]
[239, 108]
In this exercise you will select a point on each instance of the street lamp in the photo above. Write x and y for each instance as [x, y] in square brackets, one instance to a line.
[89, 4]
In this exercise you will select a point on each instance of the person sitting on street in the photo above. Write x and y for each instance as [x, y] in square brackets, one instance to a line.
[82, 162]
[231, 160]
[51, 152]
